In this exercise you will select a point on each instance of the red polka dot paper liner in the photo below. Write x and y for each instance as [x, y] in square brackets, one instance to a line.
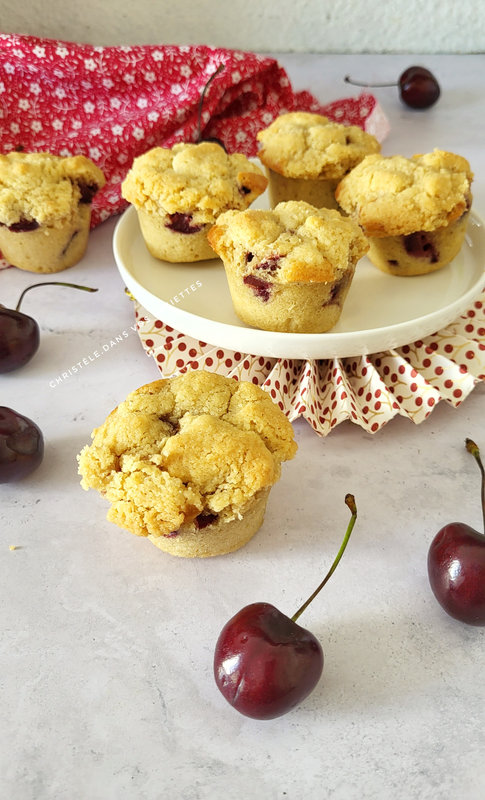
[114, 103]
[368, 390]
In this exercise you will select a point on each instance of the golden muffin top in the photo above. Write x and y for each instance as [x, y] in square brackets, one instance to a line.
[293, 242]
[304, 145]
[179, 447]
[45, 187]
[198, 179]
[394, 195]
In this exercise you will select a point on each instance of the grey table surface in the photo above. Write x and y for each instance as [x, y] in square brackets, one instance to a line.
[107, 643]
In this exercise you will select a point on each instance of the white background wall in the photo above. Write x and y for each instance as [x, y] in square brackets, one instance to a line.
[320, 26]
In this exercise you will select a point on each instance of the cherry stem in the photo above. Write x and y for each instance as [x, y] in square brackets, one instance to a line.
[350, 502]
[201, 100]
[53, 283]
[348, 79]
[473, 449]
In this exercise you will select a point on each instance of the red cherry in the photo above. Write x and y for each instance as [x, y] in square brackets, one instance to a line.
[19, 333]
[418, 87]
[264, 663]
[21, 445]
[19, 339]
[456, 564]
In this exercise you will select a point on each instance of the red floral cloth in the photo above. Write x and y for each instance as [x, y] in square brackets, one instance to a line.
[114, 103]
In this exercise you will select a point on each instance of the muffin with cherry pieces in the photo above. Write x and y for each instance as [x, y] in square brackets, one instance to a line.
[45, 209]
[288, 269]
[178, 194]
[413, 210]
[306, 155]
[189, 462]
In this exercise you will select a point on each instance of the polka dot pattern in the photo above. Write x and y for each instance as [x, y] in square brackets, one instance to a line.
[367, 390]
[114, 103]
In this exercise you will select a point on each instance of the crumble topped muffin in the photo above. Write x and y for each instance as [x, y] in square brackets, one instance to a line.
[307, 154]
[179, 193]
[414, 211]
[189, 462]
[45, 209]
[288, 269]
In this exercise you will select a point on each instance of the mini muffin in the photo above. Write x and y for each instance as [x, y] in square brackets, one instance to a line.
[288, 269]
[306, 155]
[414, 211]
[45, 209]
[179, 194]
[189, 462]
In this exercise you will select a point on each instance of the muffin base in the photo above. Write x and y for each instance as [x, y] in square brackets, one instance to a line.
[418, 253]
[169, 245]
[318, 192]
[290, 308]
[220, 537]
[47, 249]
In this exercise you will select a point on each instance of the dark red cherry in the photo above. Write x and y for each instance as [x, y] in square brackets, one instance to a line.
[19, 339]
[418, 87]
[22, 226]
[420, 245]
[19, 333]
[88, 190]
[182, 223]
[264, 663]
[21, 445]
[270, 265]
[456, 564]
[260, 287]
